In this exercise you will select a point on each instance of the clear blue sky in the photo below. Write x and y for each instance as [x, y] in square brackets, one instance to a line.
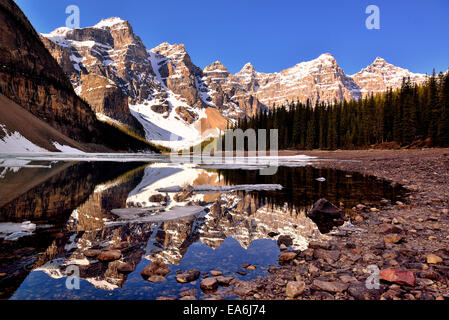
[274, 34]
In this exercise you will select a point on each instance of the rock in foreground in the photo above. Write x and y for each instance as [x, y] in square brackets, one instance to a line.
[398, 276]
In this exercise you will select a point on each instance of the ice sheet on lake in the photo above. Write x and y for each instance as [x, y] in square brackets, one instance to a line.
[131, 215]
[13, 231]
[212, 162]
[215, 189]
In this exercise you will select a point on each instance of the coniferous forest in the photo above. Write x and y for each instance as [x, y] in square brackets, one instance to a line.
[412, 115]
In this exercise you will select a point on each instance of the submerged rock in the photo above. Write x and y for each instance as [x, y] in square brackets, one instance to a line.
[156, 279]
[224, 281]
[324, 207]
[209, 284]
[188, 276]
[326, 215]
[155, 268]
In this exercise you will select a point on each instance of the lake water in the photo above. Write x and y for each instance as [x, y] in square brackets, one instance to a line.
[68, 203]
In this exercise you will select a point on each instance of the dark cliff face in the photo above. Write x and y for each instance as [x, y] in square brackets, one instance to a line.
[32, 78]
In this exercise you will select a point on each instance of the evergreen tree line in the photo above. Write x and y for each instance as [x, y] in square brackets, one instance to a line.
[413, 113]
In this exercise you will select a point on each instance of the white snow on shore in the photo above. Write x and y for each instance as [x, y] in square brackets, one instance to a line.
[66, 149]
[16, 143]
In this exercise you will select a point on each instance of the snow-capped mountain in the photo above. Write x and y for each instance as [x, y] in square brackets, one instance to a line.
[111, 68]
[178, 104]
[381, 75]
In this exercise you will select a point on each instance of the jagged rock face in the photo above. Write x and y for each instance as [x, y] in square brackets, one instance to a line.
[228, 94]
[108, 66]
[161, 85]
[380, 75]
[106, 98]
[179, 74]
[110, 49]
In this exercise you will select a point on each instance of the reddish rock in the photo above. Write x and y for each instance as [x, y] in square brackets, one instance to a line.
[288, 256]
[398, 276]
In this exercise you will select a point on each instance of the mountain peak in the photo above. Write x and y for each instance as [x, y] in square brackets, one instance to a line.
[248, 67]
[166, 47]
[217, 65]
[326, 56]
[380, 62]
[109, 22]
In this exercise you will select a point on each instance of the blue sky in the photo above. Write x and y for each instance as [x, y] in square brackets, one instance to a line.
[274, 34]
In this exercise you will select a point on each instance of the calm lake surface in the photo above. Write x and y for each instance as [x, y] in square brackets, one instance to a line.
[51, 212]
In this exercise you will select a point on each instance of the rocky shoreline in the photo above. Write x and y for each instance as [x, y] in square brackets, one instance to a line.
[402, 247]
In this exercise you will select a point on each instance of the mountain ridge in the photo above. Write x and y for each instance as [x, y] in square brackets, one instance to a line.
[168, 94]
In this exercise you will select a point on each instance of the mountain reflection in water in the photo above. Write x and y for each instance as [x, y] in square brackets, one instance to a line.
[71, 204]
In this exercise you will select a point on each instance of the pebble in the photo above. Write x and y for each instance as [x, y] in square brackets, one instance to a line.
[329, 286]
[295, 289]
[433, 259]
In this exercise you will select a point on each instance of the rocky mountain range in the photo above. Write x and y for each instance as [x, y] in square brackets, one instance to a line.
[176, 102]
